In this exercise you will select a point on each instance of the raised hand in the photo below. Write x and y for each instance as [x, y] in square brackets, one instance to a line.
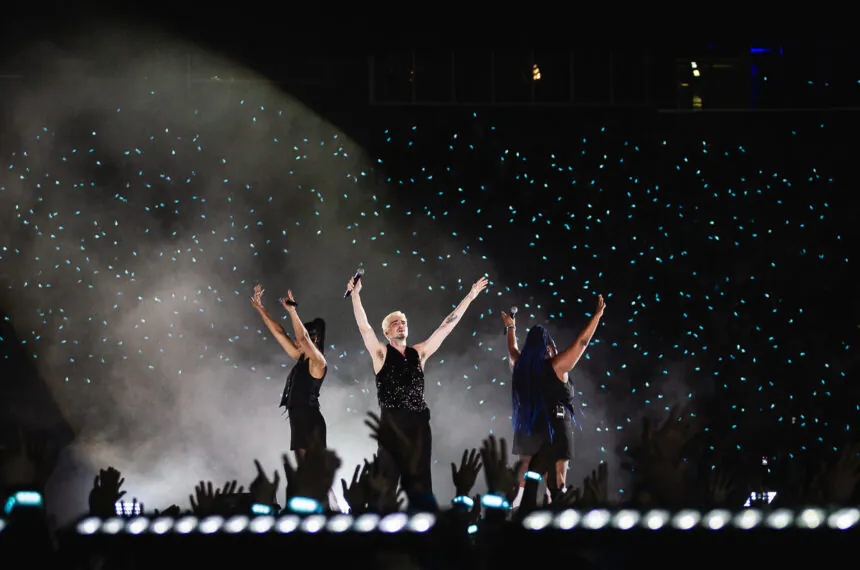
[32, 464]
[286, 301]
[313, 475]
[477, 287]
[354, 287]
[600, 305]
[382, 497]
[597, 486]
[257, 296]
[508, 320]
[720, 486]
[357, 494]
[668, 441]
[464, 477]
[501, 479]
[392, 439]
[262, 490]
[203, 500]
[106, 492]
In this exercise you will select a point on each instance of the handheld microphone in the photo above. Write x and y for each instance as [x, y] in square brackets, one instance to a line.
[513, 314]
[359, 272]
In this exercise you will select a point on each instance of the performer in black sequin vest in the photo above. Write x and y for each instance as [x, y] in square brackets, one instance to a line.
[399, 372]
[302, 390]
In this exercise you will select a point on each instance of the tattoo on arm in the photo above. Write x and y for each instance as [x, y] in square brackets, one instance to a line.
[584, 343]
[452, 318]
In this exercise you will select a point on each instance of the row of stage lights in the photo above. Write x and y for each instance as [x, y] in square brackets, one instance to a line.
[780, 519]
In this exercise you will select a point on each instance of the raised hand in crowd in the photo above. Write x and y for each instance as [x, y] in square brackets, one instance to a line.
[313, 475]
[720, 487]
[29, 465]
[106, 491]
[384, 497]
[212, 501]
[501, 478]
[263, 491]
[464, 478]
[596, 487]
[834, 484]
[357, 493]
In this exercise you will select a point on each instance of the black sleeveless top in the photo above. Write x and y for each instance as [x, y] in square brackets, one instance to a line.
[400, 382]
[302, 390]
[557, 393]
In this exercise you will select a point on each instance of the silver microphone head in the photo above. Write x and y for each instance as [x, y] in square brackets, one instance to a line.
[514, 311]
[360, 271]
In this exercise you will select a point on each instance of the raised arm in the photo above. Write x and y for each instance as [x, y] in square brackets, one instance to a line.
[274, 327]
[371, 342]
[511, 332]
[564, 361]
[306, 345]
[427, 348]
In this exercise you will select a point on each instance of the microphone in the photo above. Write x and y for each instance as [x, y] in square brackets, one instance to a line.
[513, 314]
[358, 273]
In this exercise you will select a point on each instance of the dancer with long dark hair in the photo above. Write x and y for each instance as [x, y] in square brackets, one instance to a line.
[543, 396]
[301, 396]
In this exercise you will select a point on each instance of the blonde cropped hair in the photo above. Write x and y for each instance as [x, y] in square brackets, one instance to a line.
[390, 317]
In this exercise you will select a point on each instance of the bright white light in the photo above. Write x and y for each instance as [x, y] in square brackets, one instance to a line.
[210, 525]
[127, 508]
[137, 525]
[393, 522]
[262, 524]
[161, 525]
[596, 519]
[288, 524]
[567, 519]
[112, 526]
[656, 519]
[779, 519]
[810, 518]
[844, 519]
[715, 520]
[236, 524]
[422, 522]
[339, 523]
[185, 525]
[313, 523]
[626, 520]
[748, 519]
[537, 520]
[366, 522]
[89, 526]
[685, 520]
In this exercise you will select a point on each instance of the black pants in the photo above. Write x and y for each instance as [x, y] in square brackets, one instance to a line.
[397, 465]
[306, 423]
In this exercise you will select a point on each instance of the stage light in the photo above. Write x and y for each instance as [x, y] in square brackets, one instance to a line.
[779, 519]
[366, 522]
[422, 522]
[685, 520]
[535, 72]
[112, 525]
[810, 518]
[288, 524]
[596, 519]
[185, 525]
[236, 524]
[537, 520]
[262, 524]
[393, 522]
[566, 519]
[626, 519]
[127, 508]
[655, 520]
[843, 519]
[339, 523]
[210, 525]
[748, 519]
[137, 526]
[717, 519]
[89, 526]
[161, 525]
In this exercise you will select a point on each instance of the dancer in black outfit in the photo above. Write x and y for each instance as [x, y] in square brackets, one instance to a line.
[400, 384]
[543, 395]
[301, 396]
